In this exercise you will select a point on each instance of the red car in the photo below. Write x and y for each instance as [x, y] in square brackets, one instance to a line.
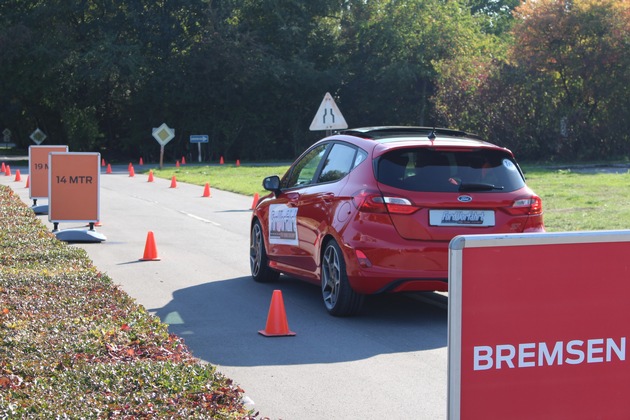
[372, 210]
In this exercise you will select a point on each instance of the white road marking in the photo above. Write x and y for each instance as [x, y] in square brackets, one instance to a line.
[201, 219]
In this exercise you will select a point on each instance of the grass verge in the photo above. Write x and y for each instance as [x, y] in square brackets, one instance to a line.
[242, 179]
[574, 201]
[73, 345]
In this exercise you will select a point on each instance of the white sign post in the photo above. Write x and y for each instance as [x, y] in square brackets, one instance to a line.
[199, 138]
[328, 116]
[163, 134]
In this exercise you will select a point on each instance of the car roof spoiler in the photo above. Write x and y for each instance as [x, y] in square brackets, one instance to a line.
[404, 131]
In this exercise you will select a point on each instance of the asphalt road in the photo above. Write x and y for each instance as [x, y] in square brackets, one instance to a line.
[390, 362]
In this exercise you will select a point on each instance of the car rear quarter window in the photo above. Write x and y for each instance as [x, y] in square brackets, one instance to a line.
[338, 163]
[434, 170]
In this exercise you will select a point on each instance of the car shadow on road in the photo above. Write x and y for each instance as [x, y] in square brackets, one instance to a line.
[220, 321]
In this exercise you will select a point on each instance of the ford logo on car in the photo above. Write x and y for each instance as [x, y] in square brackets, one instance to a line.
[464, 198]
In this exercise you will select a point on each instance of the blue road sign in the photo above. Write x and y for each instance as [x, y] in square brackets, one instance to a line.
[199, 138]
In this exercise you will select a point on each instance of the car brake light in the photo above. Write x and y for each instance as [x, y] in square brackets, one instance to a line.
[529, 206]
[377, 203]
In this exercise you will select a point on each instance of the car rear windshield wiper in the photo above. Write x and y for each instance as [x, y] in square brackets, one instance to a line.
[479, 187]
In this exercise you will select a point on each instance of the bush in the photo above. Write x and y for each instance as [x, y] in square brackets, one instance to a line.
[72, 344]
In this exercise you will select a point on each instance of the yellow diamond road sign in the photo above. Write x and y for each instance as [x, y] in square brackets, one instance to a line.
[163, 134]
[38, 136]
[328, 116]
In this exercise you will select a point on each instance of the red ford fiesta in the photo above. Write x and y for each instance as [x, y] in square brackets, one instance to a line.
[372, 210]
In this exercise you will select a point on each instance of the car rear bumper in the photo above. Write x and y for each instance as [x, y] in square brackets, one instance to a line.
[375, 285]
[416, 266]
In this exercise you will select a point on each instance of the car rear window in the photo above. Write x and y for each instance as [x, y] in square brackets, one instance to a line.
[434, 170]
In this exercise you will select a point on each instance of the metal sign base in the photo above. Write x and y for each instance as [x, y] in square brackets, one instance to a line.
[40, 209]
[79, 235]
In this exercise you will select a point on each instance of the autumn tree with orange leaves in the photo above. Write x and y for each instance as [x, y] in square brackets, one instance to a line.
[563, 89]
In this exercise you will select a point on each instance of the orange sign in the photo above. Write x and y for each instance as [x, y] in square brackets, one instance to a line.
[73, 185]
[38, 169]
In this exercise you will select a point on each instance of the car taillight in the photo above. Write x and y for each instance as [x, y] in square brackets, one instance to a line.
[377, 203]
[530, 206]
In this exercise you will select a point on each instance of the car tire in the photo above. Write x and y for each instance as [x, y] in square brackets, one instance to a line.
[258, 261]
[339, 298]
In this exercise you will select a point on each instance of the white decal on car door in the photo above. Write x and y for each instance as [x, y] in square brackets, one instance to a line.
[283, 224]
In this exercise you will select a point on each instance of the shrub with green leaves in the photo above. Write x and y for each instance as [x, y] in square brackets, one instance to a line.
[73, 345]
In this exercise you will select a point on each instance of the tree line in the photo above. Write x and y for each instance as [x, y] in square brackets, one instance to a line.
[549, 79]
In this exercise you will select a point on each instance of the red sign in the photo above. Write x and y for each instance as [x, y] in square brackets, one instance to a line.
[73, 182]
[38, 169]
[539, 326]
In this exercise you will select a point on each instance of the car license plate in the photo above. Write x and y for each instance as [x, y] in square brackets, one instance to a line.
[472, 218]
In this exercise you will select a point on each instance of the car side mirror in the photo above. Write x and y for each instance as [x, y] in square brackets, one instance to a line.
[272, 183]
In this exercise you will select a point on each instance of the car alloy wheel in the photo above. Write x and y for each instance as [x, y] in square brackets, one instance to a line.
[258, 261]
[339, 298]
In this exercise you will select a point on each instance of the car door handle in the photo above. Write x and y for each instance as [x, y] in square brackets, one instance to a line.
[328, 198]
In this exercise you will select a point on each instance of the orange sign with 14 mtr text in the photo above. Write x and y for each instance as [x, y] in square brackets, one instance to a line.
[74, 192]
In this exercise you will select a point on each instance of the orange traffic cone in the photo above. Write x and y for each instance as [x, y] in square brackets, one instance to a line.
[206, 190]
[4, 168]
[132, 172]
[28, 181]
[183, 160]
[277, 324]
[221, 161]
[150, 176]
[18, 177]
[141, 161]
[109, 169]
[256, 197]
[7, 170]
[177, 163]
[238, 162]
[173, 182]
[103, 162]
[150, 250]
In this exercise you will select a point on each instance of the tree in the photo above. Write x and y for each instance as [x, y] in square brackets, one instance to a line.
[562, 89]
[290, 51]
[581, 48]
[391, 49]
[496, 15]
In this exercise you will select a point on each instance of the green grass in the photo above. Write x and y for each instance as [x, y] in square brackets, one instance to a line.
[242, 179]
[582, 201]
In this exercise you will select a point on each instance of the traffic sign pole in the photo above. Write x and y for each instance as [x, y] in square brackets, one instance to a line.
[199, 138]
[163, 134]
